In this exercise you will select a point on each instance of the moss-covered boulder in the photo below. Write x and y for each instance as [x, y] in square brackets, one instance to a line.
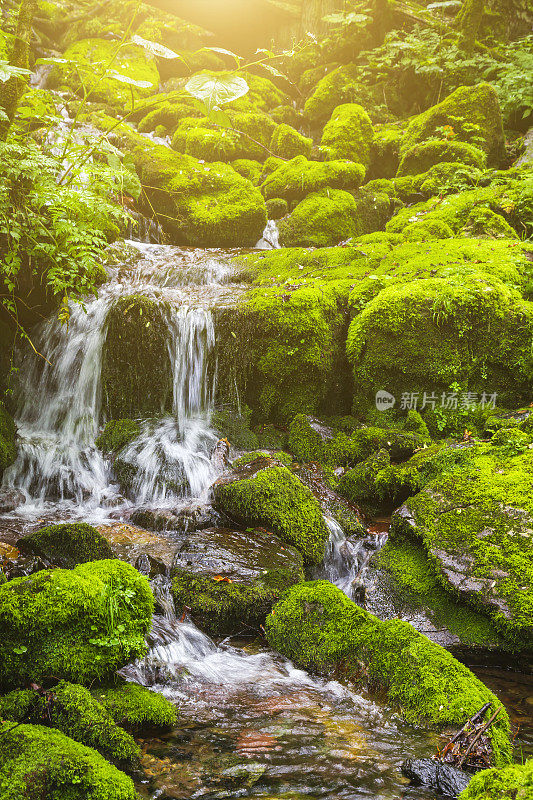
[42, 762]
[248, 137]
[80, 624]
[475, 525]
[341, 85]
[359, 483]
[286, 142]
[88, 57]
[197, 204]
[136, 370]
[72, 709]
[385, 152]
[319, 628]
[231, 579]
[423, 335]
[66, 545]
[136, 708]
[8, 447]
[473, 113]
[264, 492]
[322, 219]
[514, 782]
[348, 134]
[299, 177]
[116, 434]
[421, 157]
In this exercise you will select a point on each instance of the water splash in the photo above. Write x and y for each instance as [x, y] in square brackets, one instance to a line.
[346, 560]
[270, 237]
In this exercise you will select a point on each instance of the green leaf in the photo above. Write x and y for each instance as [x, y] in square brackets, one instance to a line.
[154, 48]
[223, 52]
[117, 76]
[215, 90]
[7, 71]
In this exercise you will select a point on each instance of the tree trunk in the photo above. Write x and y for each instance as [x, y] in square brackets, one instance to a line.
[11, 90]
[468, 21]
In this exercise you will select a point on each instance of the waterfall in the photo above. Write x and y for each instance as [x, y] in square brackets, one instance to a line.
[346, 560]
[58, 468]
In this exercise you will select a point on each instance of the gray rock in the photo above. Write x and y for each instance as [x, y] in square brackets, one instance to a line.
[10, 499]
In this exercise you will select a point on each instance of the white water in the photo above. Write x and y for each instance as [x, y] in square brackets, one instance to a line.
[346, 560]
[270, 237]
[59, 469]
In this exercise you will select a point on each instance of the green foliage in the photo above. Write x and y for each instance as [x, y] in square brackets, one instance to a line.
[67, 545]
[348, 134]
[8, 447]
[136, 708]
[42, 762]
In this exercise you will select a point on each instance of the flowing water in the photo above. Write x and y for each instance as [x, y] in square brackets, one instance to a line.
[251, 724]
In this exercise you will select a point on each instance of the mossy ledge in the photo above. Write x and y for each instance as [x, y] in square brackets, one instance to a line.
[319, 628]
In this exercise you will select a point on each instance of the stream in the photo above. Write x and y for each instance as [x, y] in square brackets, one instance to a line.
[251, 724]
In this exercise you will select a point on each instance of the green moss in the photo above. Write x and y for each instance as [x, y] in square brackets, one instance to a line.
[514, 782]
[273, 497]
[8, 447]
[421, 157]
[40, 762]
[385, 152]
[90, 56]
[414, 576]
[169, 114]
[228, 608]
[319, 628]
[426, 334]
[288, 143]
[136, 708]
[67, 545]
[201, 205]
[235, 428]
[485, 223]
[203, 139]
[342, 85]
[474, 114]
[277, 208]
[249, 169]
[358, 484]
[116, 434]
[136, 372]
[296, 179]
[474, 523]
[322, 219]
[348, 134]
[77, 624]
[73, 711]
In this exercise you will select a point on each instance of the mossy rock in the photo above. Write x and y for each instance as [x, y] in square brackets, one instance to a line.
[466, 107]
[249, 169]
[348, 135]
[286, 142]
[385, 152]
[485, 223]
[358, 484]
[475, 525]
[235, 428]
[514, 782]
[8, 447]
[322, 219]
[136, 708]
[277, 208]
[168, 114]
[201, 205]
[66, 545]
[72, 709]
[249, 137]
[42, 762]
[90, 55]
[299, 177]
[266, 493]
[342, 85]
[57, 622]
[116, 434]
[136, 370]
[421, 157]
[319, 628]
[231, 579]
[426, 334]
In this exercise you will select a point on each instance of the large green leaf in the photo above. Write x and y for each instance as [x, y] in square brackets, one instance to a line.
[118, 76]
[7, 71]
[154, 48]
[215, 90]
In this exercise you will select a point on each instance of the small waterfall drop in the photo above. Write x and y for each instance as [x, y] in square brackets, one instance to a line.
[59, 469]
[270, 237]
[346, 560]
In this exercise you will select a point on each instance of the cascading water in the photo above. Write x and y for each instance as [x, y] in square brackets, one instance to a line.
[346, 560]
[59, 469]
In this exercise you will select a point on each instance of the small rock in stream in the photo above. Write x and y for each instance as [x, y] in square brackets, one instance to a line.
[10, 499]
[442, 778]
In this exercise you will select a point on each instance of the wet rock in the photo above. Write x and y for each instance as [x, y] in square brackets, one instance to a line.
[23, 565]
[10, 499]
[164, 519]
[230, 579]
[442, 778]
[131, 543]
[262, 491]
[475, 523]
